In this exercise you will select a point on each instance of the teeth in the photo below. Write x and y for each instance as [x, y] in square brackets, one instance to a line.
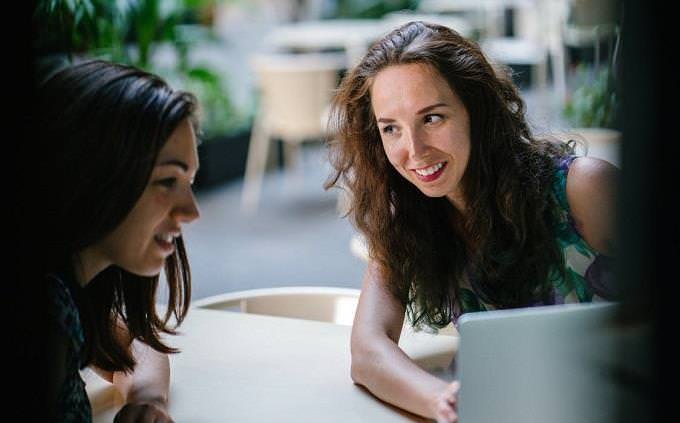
[165, 237]
[430, 170]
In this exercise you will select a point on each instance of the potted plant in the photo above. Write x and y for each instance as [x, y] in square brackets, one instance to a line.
[129, 32]
[225, 129]
[593, 102]
[591, 109]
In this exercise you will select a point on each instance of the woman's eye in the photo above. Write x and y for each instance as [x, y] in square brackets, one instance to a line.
[433, 118]
[168, 182]
[389, 129]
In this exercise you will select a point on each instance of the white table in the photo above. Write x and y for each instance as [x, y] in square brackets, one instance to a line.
[354, 36]
[237, 367]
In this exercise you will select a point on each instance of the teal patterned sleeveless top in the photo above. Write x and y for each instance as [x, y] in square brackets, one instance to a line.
[588, 275]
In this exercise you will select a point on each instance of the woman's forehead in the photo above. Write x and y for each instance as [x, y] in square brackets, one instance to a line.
[413, 86]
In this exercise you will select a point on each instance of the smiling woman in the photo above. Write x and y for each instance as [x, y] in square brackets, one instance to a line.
[463, 209]
[426, 129]
[118, 150]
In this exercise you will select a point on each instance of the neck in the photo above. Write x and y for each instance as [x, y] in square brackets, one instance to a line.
[458, 202]
[87, 264]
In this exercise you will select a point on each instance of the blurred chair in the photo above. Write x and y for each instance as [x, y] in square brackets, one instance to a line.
[537, 39]
[478, 14]
[295, 92]
[320, 303]
[588, 24]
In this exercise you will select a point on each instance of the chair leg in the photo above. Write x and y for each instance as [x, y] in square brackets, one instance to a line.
[540, 75]
[291, 155]
[255, 167]
[294, 178]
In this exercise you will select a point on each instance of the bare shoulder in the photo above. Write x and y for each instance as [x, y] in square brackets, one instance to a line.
[591, 193]
[590, 178]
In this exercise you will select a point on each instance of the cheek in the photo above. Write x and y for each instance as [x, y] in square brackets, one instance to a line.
[395, 154]
[459, 143]
[158, 207]
[158, 201]
[149, 211]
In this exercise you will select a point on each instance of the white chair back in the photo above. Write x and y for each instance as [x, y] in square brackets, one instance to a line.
[295, 92]
[324, 304]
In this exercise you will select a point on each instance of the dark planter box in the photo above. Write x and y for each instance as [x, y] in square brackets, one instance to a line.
[222, 159]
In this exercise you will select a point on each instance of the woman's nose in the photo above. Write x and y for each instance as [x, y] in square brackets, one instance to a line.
[187, 210]
[415, 144]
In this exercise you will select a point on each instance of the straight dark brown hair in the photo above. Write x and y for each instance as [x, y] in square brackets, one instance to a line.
[99, 128]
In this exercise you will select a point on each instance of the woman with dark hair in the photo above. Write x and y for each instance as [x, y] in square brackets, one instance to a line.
[462, 208]
[118, 157]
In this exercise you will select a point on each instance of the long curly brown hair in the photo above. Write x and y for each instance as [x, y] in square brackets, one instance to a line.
[425, 247]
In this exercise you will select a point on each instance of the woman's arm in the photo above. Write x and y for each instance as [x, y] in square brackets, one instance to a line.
[145, 389]
[591, 193]
[382, 367]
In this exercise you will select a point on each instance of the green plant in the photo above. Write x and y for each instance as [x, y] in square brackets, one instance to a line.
[372, 9]
[593, 103]
[220, 116]
[105, 28]
[128, 31]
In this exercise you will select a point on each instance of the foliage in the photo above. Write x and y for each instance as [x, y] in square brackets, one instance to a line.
[593, 103]
[372, 9]
[218, 114]
[128, 31]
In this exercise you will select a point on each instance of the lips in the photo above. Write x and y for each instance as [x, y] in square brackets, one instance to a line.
[166, 241]
[431, 172]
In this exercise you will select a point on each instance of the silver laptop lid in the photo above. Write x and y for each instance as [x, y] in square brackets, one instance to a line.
[539, 364]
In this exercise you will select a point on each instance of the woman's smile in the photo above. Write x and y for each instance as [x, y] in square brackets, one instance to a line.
[430, 173]
[424, 128]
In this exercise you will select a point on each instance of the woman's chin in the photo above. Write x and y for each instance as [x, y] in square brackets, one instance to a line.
[432, 193]
[147, 271]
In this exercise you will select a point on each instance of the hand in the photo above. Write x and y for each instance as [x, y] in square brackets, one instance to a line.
[143, 412]
[445, 404]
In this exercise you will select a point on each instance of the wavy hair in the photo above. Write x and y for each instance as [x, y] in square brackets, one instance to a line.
[504, 244]
[99, 127]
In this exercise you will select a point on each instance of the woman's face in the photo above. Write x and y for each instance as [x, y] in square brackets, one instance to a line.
[145, 238]
[424, 127]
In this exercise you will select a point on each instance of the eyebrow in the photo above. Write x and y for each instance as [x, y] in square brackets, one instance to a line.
[419, 112]
[175, 162]
[428, 108]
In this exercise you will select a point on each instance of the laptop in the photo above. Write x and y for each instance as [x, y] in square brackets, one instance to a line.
[548, 364]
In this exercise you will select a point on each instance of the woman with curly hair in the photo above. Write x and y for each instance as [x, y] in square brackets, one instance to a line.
[463, 209]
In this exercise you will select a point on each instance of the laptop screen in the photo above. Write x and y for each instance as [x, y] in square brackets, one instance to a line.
[539, 364]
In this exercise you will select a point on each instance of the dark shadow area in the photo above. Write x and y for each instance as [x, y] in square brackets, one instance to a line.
[648, 224]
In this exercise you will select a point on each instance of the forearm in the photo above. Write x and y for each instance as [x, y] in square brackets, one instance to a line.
[385, 370]
[150, 381]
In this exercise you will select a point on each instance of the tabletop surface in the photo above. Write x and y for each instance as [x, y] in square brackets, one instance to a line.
[253, 368]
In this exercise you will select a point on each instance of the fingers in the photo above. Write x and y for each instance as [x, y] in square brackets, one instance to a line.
[446, 405]
[452, 393]
[142, 413]
[453, 387]
[446, 413]
[449, 417]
